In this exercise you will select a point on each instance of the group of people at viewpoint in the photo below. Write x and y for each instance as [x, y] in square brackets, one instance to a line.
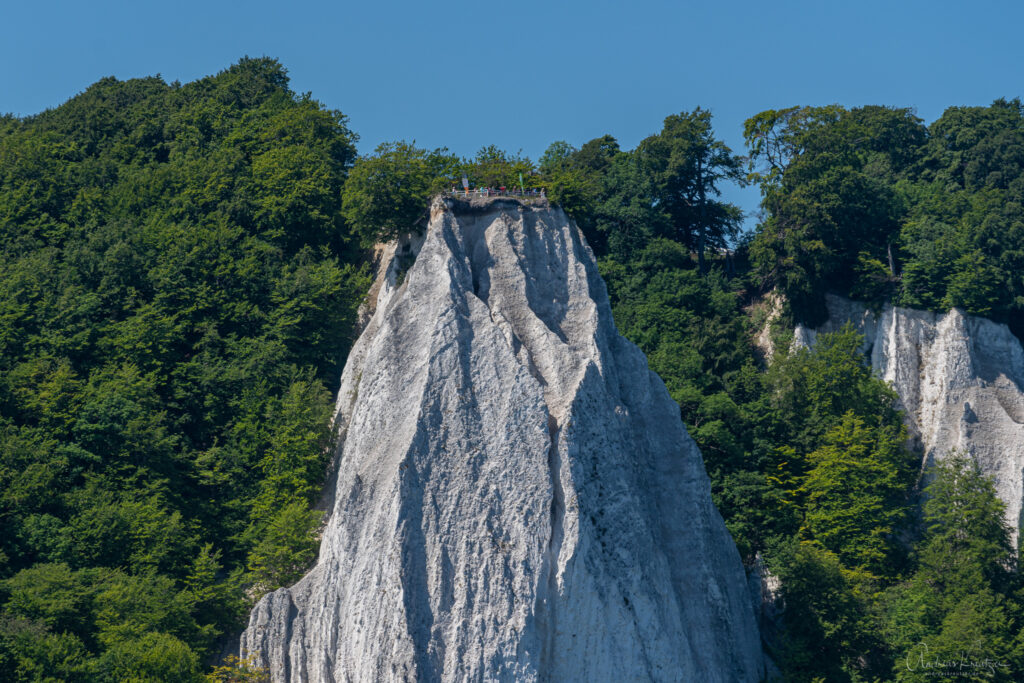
[499, 192]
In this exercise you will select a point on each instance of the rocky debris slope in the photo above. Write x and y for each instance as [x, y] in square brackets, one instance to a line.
[516, 496]
[960, 379]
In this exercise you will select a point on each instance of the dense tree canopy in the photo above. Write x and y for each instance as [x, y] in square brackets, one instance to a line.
[180, 267]
[389, 192]
[871, 203]
[668, 187]
[177, 290]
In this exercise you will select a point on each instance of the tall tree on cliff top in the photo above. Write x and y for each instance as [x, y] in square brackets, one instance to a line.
[688, 164]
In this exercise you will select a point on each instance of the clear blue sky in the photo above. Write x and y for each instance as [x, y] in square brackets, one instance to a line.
[521, 75]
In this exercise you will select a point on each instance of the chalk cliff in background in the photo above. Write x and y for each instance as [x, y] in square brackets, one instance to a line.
[960, 379]
[516, 498]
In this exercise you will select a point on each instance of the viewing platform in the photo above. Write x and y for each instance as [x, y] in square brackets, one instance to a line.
[482, 196]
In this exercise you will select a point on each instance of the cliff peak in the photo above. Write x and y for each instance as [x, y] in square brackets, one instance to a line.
[516, 497]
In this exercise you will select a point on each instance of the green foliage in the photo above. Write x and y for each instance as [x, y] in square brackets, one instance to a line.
[571, 184]
[776, 137]
[180, 268]
[493, 167]
[687, 164]
[966, 543]
[286, 547]
[178, 289]
[627, 215]
[152, 658]
[963, 604]
[868, 202]
[298, 441]
[235, 670]
[668, 187]
[814, 388]
[31, 652]
[694, 334]
[52, 595]
[388, 193]
[829, 632]
[854, 493]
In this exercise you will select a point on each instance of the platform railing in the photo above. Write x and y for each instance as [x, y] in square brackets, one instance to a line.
[492, 192]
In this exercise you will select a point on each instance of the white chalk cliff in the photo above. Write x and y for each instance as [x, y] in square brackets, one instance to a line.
[960, 380]
[516, 497]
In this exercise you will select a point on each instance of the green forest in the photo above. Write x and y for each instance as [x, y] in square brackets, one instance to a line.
[180, 274]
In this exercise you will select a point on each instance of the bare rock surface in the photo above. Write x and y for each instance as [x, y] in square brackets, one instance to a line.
[960, 380]
[516, 497]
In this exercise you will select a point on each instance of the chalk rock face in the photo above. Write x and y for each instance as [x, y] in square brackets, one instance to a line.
[516, 496]
[960, 380]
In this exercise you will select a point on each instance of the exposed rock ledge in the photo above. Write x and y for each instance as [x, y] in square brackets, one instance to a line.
[516, 496]
[960, 379]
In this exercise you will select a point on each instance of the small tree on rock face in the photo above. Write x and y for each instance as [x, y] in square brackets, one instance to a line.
[235, 670]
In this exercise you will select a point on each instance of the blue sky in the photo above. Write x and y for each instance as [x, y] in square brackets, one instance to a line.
[521, 75]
